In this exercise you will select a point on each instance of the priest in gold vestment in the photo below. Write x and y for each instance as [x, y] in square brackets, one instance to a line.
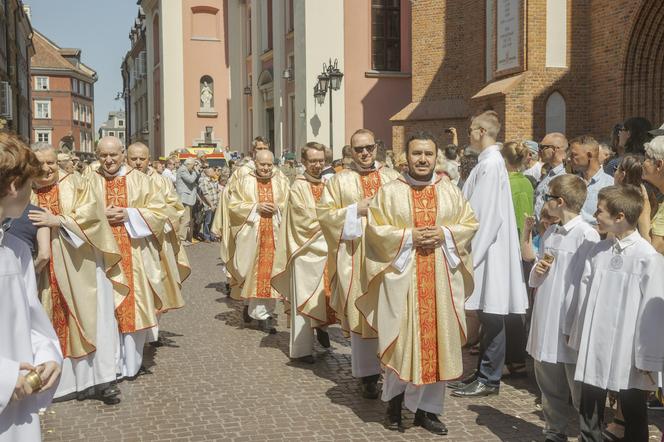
[173, 258]
[82, 281]
[300, 270]
[255, 210]
[419, 272]
[137, 213]
[342, 215]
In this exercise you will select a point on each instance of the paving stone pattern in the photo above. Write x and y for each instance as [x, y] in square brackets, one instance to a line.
[215, 380]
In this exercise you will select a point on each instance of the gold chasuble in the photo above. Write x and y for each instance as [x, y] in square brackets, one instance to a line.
[173, 258]
[346, 257]
[300, 268]
[418, 309]
[68, 285]
[253, 236]
[140, 256]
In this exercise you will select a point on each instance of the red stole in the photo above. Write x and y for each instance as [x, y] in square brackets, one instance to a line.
[265, 243]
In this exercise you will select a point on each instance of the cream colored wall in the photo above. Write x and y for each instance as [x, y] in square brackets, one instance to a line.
[172, 84]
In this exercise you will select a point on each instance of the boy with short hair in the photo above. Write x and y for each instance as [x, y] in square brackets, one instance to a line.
[619, 309]
[561, 255]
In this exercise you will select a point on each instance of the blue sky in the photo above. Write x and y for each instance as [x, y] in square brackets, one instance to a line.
[100, 28]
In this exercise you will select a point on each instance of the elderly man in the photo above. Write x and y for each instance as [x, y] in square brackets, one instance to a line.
[137, 212]
[584, 157]
[553, 152]
[420, 271]
[300, 269]
[500, 288]
[173, 258]
[653, 172]
[81, 281]
[186, 186]
[342, 213]
[209, 193]
[65, 162]
[255, 209]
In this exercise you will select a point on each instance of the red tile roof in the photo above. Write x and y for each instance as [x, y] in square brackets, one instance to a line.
[48, 55]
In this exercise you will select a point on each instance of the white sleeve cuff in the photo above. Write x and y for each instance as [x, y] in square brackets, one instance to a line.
[353, 224]
[403, 257]
[253, 216]
[136, 225]
[71, 237]
[449, 249]
[167, 227]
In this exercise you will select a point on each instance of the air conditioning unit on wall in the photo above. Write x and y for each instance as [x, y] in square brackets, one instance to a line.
[6, 108]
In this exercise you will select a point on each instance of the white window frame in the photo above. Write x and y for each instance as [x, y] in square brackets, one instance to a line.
[39, 115]
[47, 132]
[75, 86]
[39, 83]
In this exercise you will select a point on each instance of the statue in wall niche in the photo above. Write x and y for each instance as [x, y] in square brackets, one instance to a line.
[206, 96]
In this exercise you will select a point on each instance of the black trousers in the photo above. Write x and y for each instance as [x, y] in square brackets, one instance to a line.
[492, 348]
[634, 408]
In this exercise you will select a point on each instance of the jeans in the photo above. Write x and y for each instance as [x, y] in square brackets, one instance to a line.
[207, 224]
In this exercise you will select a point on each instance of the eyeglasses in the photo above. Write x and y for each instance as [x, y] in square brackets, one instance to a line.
[543, 147]
[622, 129]
[369, 148]
[473, 129]
[548, 197]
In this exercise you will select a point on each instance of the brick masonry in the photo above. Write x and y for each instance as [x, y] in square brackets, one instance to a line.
[614, 68]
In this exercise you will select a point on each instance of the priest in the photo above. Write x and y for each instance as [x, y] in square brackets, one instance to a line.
[255, 209]
[83, 277]
[137, 213]
[300, 269]
[419, 271]
[342, 215]
[173, 258]
[30, 354]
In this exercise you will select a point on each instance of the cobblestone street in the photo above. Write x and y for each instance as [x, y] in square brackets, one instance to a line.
[214, 380]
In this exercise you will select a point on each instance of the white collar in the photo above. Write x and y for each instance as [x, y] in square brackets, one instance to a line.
[488, 151]
[413, 182]
[621, 244]
[569, 225]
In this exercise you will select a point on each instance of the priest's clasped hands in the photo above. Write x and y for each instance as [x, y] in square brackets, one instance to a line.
[47, 373]
[116, 215]
[428, 237]
[266, 209]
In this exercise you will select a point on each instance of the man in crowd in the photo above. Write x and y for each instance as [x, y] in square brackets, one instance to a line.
[499, 283]
[169, 171]
[584, 158]
[186, 186]
[81, 281]
[553, 152]
[342, 213]
[653, 172]
[255, 209]
[328, 170]
[137, 213]
[172, 256]
[300, 269]
[209, 192]
[419, 270]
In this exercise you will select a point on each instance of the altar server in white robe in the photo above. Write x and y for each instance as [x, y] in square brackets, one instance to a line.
[619, 328]
[561, 258]
[27, 339]
[500, 288]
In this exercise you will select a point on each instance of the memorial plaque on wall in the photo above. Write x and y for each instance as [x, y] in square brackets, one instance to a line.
[509, 36]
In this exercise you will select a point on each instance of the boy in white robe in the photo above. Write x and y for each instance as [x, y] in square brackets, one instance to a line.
[27, 339]
[561, 257]
[618, 325]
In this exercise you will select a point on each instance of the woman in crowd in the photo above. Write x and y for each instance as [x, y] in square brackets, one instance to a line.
[632, 135]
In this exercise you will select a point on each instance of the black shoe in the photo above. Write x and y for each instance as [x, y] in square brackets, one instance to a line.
[227, 286]
[308, 359]
[475, 389]
[112, 400]
[267, 326]
[323, 338]
[158, 343]
[393, 420]
[111, 390]
[245, 314]
[457, 385]
[430, 422]
[370, 386]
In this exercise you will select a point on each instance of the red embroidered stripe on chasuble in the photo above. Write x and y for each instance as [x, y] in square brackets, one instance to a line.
[424, 214]
[49, 199]
[370, 183]
[116, 195]
[265, 243]
[317, 192]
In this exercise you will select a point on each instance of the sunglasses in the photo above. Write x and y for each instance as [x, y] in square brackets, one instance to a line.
[369, 148]
[548, 197]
